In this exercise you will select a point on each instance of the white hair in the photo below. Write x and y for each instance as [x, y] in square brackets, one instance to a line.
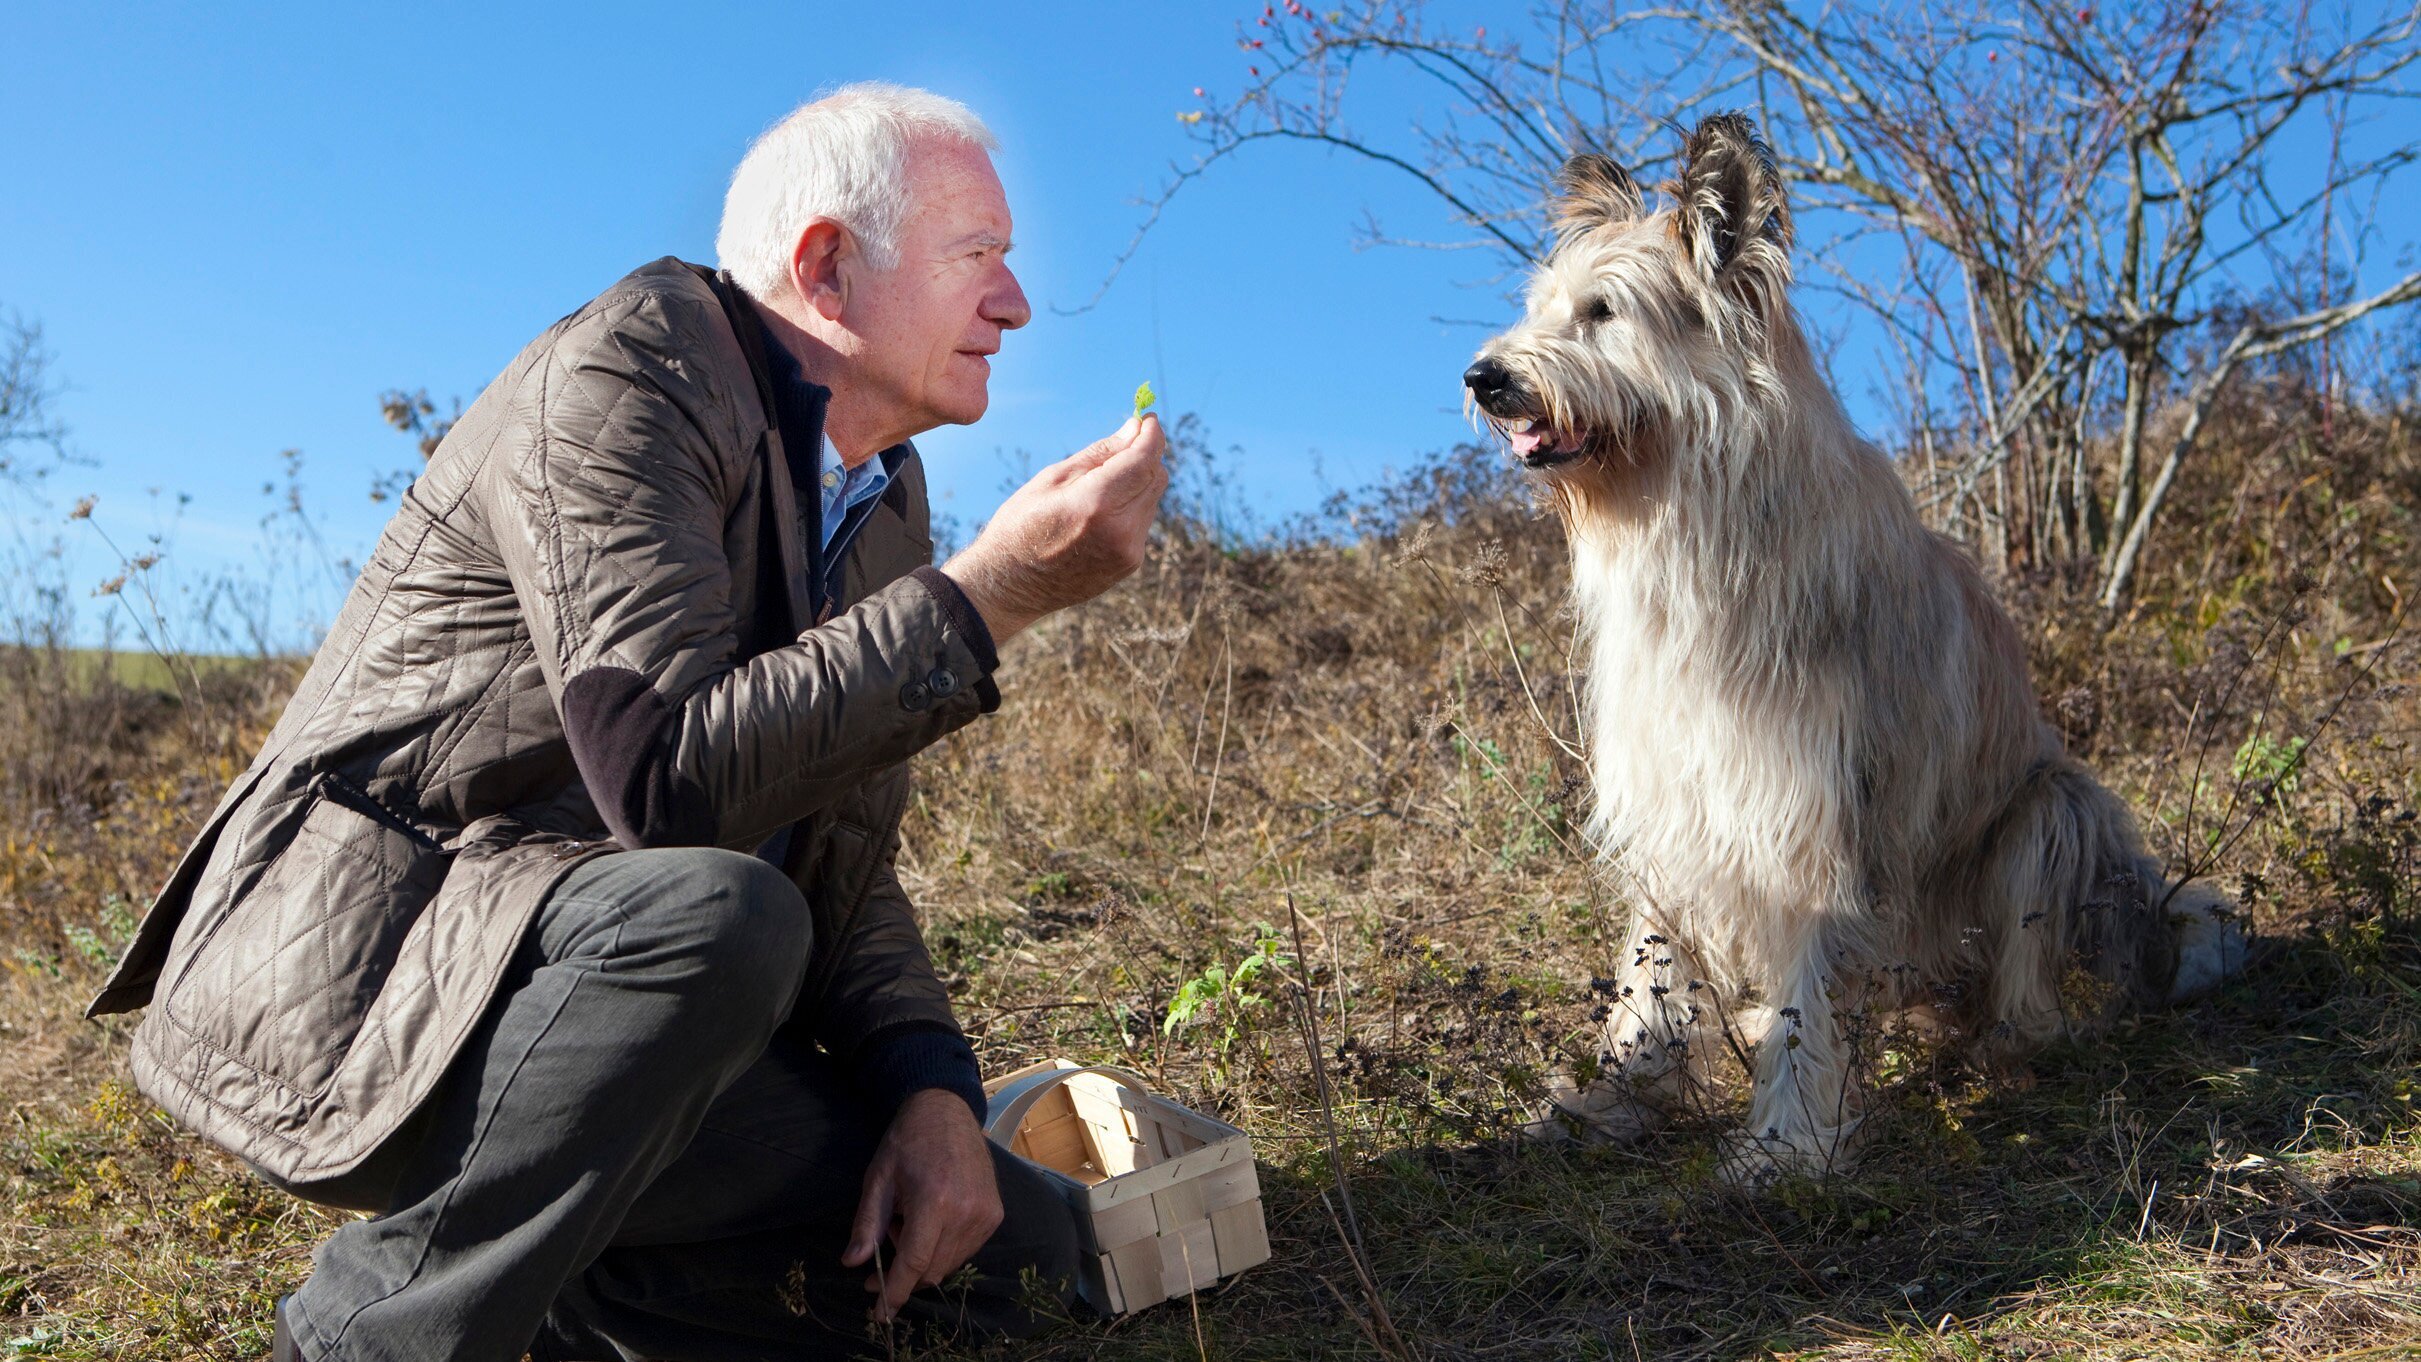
[842, 156]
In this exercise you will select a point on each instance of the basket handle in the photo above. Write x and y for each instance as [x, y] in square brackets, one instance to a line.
[1020, 1096]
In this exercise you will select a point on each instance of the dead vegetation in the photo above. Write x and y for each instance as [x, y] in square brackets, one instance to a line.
[1328, 785]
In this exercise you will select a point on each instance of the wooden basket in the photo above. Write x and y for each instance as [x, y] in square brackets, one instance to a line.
[1165, 1198]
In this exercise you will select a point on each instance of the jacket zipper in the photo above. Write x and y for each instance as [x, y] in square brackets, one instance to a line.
[354, 797]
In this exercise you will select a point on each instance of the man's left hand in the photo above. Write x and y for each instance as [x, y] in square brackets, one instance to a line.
[931, 1191]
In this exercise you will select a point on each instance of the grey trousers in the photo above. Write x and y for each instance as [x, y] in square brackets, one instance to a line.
[632, 1159]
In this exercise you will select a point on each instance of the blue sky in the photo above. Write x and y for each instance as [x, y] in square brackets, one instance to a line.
[238, 224]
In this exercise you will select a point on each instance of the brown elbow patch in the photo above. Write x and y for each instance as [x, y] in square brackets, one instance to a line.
[620, 732]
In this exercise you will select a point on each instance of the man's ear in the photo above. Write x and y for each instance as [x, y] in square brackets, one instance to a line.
[815, 267]
[1733, 218]
[1590, 191]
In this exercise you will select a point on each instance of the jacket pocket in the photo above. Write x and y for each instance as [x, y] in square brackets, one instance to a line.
[282, 979]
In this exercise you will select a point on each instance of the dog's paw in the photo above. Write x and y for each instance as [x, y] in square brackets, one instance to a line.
[1748, 1167]
[1606, 1112]
[1752, 1165]
[2211, 947]
[1751, 1162]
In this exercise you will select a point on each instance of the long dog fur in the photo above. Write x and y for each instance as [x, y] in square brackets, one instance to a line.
[1819, 766]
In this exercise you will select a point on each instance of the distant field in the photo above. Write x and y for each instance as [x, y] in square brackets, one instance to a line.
[140, 670]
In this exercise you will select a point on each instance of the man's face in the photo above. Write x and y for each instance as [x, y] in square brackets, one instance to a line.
[928, 325]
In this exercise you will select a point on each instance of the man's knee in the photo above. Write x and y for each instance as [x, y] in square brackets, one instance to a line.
[733, 916]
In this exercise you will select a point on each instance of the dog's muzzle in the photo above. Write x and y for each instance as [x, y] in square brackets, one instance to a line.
[1496, 392]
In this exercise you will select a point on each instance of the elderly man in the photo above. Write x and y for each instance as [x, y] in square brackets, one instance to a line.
[556, 922]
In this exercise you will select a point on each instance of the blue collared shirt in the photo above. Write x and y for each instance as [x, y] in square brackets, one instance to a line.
[844, 489]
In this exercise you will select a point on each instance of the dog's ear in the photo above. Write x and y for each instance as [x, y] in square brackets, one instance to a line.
[1733, 217]
[1590, 191]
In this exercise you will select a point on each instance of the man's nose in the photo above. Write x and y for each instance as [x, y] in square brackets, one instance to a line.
[1007, 307]
[1486, 378]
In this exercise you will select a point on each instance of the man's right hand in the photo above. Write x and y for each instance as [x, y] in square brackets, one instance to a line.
[1069, 534]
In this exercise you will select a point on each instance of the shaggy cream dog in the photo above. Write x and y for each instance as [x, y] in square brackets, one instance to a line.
[1819, 765]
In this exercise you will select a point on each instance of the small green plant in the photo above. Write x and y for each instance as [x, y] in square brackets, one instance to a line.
[1536, 820]
[1229, 996]
[1056, 884]
[2276, 766]
[1144, 398]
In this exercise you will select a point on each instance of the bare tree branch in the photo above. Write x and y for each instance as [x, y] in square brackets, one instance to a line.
[2072, 193]
[2253, 341]
[32, 439]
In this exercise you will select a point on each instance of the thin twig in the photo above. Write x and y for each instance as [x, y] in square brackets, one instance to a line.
[1350, 1232]
[1514, 652]
[1227, 700]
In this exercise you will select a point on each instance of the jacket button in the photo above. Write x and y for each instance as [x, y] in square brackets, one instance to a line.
[944, 682]
[915, 696]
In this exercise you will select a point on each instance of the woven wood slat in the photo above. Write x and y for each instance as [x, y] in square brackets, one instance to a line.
[1166, 1200]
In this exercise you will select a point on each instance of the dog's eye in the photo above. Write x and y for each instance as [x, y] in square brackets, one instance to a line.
[1594, 311]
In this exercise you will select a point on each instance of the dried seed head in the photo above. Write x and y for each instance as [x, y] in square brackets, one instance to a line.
[1438, 720]
[1487, 565]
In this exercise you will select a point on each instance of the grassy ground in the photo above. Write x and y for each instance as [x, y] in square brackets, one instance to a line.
[1342, 759]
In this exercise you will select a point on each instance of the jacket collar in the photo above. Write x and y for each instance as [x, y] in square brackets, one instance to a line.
[794, 437]
[799, 404]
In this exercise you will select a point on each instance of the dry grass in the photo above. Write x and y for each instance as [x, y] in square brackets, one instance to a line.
[1375, 731]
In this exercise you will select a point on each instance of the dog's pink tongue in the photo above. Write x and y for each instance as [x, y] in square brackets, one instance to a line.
[1526, 442]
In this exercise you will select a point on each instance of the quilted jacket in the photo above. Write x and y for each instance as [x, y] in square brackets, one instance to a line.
[590, 626]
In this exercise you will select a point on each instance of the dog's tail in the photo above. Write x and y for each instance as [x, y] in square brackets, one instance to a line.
[2081, 921]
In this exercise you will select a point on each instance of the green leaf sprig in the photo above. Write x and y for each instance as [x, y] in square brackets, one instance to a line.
[1144, 398]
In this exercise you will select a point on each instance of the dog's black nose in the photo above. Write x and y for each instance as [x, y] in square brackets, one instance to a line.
[1487, 378]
